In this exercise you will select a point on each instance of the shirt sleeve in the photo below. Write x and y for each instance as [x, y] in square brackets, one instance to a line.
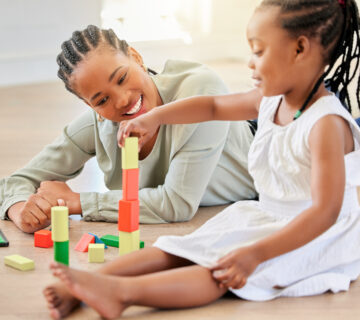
[61, 160]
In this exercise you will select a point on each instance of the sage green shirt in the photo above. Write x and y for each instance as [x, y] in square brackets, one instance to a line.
[190, 165]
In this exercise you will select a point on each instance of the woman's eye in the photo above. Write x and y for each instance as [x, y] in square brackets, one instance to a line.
[102, 101]
[122, 78]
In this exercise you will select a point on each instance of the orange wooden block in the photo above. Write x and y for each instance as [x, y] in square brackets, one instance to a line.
[130, 184]
[84, 242]
[128, 215]
[42, 239]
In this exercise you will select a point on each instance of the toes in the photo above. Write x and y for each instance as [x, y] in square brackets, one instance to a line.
[55, 314]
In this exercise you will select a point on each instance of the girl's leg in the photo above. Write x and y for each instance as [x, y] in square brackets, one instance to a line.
[183, 287]
[148, 260]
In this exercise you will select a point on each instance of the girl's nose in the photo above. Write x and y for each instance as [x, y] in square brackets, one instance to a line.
[251, 64]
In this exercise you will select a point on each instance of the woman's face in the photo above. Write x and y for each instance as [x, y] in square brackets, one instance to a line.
[116, 86]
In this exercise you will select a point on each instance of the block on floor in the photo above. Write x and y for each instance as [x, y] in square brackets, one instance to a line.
[19, 262]
[97, 239]
[3, 241]
[84, 242]
[96, 252]
[128, 242]
[42, 239]
[111, 240]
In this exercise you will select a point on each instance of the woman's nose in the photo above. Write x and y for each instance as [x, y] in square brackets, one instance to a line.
[121, 100]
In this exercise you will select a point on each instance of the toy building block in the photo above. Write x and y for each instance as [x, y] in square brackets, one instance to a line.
[129, 154]
[96, 252]
[111, 240]
[3, 241]
[42, 239]
[128, 241]
[84, 242]
[60, 223]
[142, 245]
[97, 239]
[19, 262]
[128, 215]
[61, 252]
[130, 184]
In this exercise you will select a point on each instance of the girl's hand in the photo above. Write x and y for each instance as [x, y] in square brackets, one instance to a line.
[144, 127]
[233, 269]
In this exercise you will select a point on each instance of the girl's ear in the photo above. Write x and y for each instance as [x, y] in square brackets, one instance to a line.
[133, 54]
[302, 47]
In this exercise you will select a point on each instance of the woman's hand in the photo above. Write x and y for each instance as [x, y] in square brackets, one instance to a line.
[144, 127]
[54, 190]
[233, 269]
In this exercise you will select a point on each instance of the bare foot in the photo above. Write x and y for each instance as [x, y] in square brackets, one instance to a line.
[60, 301]
[101, 292]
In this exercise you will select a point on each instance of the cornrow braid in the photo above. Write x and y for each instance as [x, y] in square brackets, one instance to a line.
[336, 25]
[80, 44]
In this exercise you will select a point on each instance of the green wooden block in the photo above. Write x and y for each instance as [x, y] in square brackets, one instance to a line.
[110, 240]
[61, 252]
[3, 241]
[19, 262]
[142, 244]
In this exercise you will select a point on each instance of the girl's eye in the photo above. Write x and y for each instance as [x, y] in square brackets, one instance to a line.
[122, 78]
[102, 101]
[257, 53]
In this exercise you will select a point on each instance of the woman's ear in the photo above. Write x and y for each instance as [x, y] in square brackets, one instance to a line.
[302, 47]
[133, 54]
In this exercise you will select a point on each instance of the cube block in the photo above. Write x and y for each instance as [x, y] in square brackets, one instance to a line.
[129, 154]
[96, 252]
[128, 215]
[19, 262]
[42, 239]
[60, 224]
[61, 252]
[128, 241]
[130, 184]
[84, 242]
[111, 240]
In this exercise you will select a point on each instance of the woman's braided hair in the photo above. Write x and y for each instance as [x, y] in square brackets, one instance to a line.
[336, 24]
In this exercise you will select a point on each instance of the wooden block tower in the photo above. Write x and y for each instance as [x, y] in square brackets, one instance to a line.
[60, 233]
[128, 222]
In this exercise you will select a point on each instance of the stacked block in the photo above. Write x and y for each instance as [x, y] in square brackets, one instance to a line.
[60, 233]
[96, 252]
[128, 222]
[42, 239]
[19, 262]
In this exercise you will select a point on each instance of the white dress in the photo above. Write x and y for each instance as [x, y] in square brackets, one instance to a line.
[279, 161]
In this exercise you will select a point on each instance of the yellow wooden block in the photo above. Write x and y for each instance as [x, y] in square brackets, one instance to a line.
[130, 154]
[19, 262]
[96, 252]
[60, 224]
[129, 241]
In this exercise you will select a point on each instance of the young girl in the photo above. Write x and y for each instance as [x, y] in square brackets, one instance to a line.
[302, 236]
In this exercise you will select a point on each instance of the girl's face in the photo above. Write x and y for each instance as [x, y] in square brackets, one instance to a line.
[116, 86]
[273, 53]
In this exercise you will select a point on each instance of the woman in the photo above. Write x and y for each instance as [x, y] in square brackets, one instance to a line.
[181, 167]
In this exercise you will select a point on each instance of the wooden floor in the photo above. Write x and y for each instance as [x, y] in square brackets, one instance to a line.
[30, 117]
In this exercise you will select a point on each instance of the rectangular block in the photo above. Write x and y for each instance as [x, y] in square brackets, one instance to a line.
[130, 184]
[42, 239]
[110, 240]
[84, 242]
[128, 219]
[96, 252]
[3, 241]
[59, 224]
[97, 239]
[19, 262]
[61, 252]
[130, 153]
[128, 242]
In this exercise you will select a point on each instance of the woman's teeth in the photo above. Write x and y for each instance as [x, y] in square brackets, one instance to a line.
[136, 107]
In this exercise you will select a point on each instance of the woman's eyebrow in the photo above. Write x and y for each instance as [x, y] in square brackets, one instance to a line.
[113, 74]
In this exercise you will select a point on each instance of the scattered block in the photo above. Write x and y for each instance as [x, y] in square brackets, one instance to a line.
[42, 239]
[19, 262]
[128, 219]
[84, 242]
[128, 241]
[111, 240]
[129, 154]
[142, 245]
[61, 252]
[96, 252]
[130, 184]
[60, 223]
[3, 241]
[97, 239]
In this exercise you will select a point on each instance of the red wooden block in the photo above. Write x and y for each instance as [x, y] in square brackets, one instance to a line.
[42, 239]
[83, 244]
[130, 184]
[128, 215]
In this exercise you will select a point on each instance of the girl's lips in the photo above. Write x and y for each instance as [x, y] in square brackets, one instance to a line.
[135, 108]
